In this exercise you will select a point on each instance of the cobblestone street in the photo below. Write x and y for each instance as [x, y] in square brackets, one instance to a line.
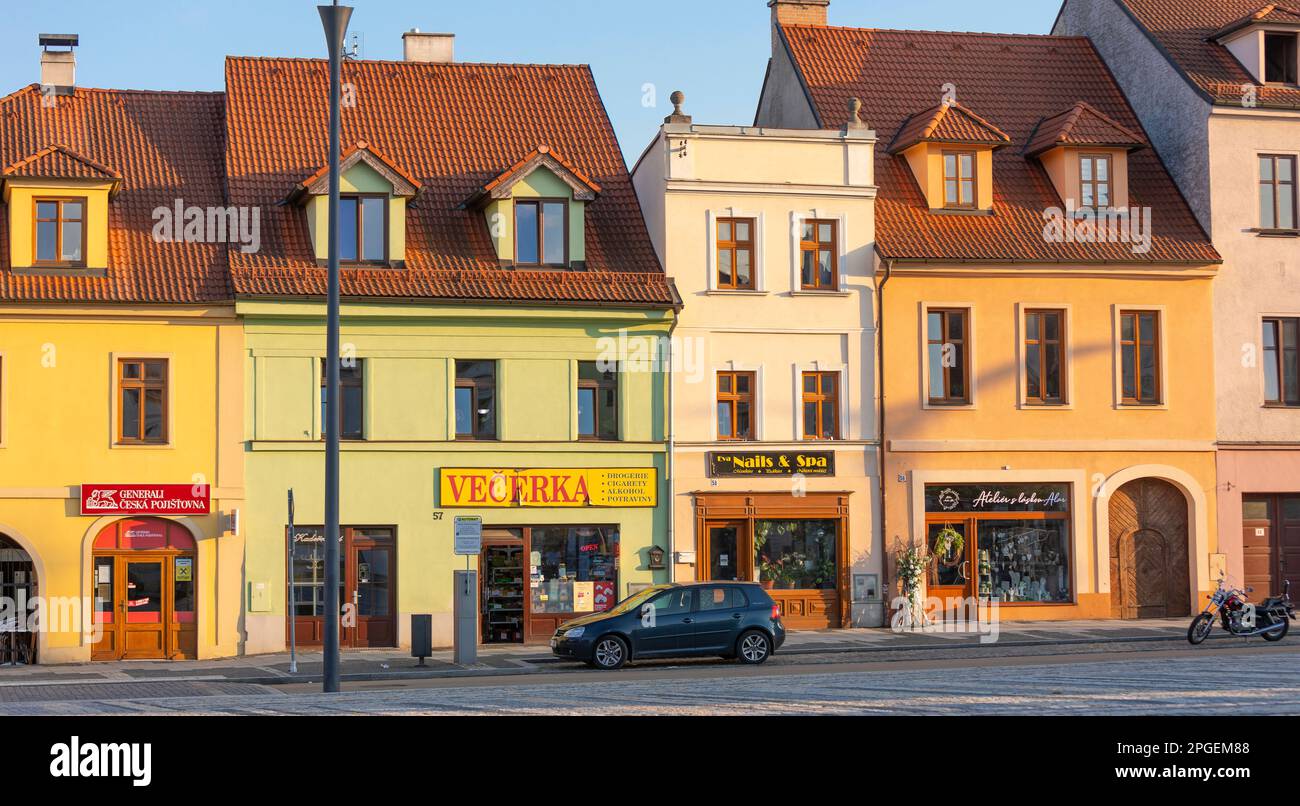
[1265, 680]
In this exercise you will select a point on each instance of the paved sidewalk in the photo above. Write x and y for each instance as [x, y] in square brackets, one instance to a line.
[385, 664]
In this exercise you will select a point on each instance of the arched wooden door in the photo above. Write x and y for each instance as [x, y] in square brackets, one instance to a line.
[18, 587]
[1149, 576]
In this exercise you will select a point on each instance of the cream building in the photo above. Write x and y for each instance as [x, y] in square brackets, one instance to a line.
[769, 236]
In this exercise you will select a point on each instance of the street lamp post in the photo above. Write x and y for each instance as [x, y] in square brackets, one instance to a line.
[335, 19]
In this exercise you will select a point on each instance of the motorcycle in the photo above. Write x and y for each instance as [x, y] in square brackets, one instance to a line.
[1270, 619]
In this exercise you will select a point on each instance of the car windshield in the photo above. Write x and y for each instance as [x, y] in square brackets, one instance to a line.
[634, 601]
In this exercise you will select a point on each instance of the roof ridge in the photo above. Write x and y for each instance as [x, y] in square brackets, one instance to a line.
[68, 151]
[319, 60]
[994, 34]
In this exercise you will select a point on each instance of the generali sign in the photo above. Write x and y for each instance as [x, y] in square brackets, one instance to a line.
[146, 499]
[551, 487]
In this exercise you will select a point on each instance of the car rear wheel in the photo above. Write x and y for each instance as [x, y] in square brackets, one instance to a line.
[610, 653]
[753, 647]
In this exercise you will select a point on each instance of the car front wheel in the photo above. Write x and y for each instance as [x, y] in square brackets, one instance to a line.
[610, 653]
[753, 647]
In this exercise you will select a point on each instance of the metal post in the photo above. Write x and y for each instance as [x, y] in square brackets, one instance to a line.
[335, 20]
[292, 603]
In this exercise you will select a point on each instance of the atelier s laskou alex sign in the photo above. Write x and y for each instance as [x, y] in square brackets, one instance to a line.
[772, 463]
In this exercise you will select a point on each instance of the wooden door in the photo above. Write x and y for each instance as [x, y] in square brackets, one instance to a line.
[372, 583]
[1261, 559]
[143, 623]
[951, 576]
[723, 556]
[1149, 572]
[1270, 542]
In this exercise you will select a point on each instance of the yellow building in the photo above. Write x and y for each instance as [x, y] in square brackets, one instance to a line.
[1046, 347]
[121, 466]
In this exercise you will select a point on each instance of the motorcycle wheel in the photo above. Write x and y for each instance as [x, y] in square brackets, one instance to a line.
[1200, 629]
[1278, 635]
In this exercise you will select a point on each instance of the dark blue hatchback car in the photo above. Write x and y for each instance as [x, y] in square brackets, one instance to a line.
[727, 619]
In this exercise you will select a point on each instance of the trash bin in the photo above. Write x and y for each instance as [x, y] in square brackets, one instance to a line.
[421, 636]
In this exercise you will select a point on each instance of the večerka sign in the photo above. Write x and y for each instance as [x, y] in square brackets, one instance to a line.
[549, 487]
[146, 499]
[997, 498]
[781, 463]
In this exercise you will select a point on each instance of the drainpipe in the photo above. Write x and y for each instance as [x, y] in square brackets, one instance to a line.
[880, 432]
[670, 461]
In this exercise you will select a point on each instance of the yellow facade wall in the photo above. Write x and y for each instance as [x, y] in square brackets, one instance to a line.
[56, 432]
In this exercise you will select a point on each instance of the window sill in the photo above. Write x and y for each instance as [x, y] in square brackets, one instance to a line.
[142, 445]
[1276, 233]
[1036, 406]
[736, 292]
[57, 271]
[1274, 406]
[816, 292]
[1142, 406]
[933, 406]
[960, 211]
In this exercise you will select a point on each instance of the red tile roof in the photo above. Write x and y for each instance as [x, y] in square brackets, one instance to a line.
[454, 127]
[163, 146]
[547, 156]
[61, 162]
[1185, 30]
[1271, 13]
[947, 123]
[1082, 125]
[1015, 81]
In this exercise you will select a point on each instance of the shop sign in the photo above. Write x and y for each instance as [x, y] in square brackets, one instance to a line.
[773, 463]
[145, 499]
[552, 487]
[584, 597]
[997, 498]
[184, 569]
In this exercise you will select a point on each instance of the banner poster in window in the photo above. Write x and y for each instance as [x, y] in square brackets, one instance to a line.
[604, 596]
[184, 569]
[584, 600]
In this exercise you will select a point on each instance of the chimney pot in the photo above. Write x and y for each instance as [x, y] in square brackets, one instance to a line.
[431, 48]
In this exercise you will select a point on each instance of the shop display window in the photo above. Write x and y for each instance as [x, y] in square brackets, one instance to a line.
[1024, 560]
[797, 554]
[569, 563]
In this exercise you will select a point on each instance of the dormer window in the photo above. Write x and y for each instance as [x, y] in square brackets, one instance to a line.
[959, 179]
[1281, 61]
[60, 231]
[541, 232]
[363, 229]
[950, 149]
[1094, 180]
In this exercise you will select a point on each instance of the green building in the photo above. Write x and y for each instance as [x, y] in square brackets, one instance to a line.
[503, 323]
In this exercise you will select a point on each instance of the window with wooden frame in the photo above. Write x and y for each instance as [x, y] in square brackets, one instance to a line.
[1095, 180]
[542, 232]
[351, 398]
[597, 401]
[363, 229]
[1140, 357]
[1045, 357]
[947, 332]
[736, 405]
[819, 255]
[1280, 58]
[59, 232]
[1282, 361]
[476, 396]
[736, 253]
[821, 405]
[959, 179]
[1277, 192]
[142, 401]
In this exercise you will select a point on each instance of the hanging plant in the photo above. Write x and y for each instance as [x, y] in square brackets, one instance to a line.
[948, 541]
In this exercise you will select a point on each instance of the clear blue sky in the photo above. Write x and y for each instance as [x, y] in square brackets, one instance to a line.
[713, 50]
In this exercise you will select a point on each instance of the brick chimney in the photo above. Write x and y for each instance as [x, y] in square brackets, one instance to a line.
[58, 66]
[432, 48]
[796, 12]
